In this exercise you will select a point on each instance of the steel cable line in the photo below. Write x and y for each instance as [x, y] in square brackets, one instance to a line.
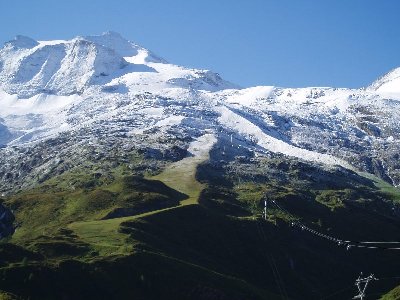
[347, 243]
[272, 265]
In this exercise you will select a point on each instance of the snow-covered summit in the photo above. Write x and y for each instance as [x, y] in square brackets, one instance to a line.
[29, 68]
[123, 47]
[389, 83]
[21, 41]
[115, 41]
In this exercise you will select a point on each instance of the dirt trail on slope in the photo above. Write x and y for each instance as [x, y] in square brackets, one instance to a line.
[104, 235]
[181, 175]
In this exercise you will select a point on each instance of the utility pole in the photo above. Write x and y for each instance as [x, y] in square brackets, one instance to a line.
[361, 284]
[265, 209]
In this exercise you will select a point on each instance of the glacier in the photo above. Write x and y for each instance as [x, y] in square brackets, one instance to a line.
[110, 85]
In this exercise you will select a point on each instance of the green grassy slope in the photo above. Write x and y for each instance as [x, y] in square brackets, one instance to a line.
[392, 295]
[192, 232]
[94, 244]
[104, 235]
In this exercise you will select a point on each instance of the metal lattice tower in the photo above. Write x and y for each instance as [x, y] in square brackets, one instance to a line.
[361, 284]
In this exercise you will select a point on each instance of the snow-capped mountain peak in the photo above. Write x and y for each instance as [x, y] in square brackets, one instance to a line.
[60, 68]
[108, 85]
[23, 42]
[389, 83]
[115, 41]
[29, 68]
[123, 47]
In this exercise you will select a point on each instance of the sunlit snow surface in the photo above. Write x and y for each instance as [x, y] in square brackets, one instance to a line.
[48, 87]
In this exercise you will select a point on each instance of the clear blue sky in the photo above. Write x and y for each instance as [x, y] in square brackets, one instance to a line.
[341, 43]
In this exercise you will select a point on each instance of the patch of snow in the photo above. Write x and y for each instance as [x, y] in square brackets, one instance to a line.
[52, 42]
[169, 121]
[153, 111]
[389, 83]
[114, 41]
[39, 104]
[248, 96]
[201, 146]
[163, 123]
[247, 128]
